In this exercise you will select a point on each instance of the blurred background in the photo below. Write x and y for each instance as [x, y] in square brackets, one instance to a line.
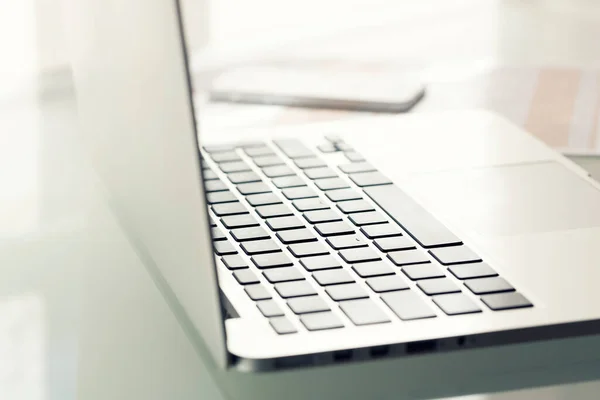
[457, 32]
[535, 62]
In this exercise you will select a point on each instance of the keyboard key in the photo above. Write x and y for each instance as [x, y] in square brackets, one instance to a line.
[296, 236]
[320, 173]
[225, 156]
[455, 255]
[218, 148]
[321, 321]
[438, 286]
[331, 184]
[311, 162]
[245, 234]
[218, 234]
[293, 148]
[370, 269]
[346, 242]
[387, 283]
[268, 161]
[506, 301]
[285, 274]
[396, 243]
[355, 206]
[364, 312]
[282, 325]
[470, 271]
[303, 192]
[245, 277]
[284, 223]
[366, 179]
[348, 291]
[212, 222]
[309, 249]
[407, 305]
[332, 277]
[367, 218]
[353, 156]
[359, 255]
[259, 151]
[381, 231]
[239, 221]
[295, 289]
[224, 209]
[305, 305]
[223, 248]
[320, 262]
[257, 292]
[243, 177]
[277, 171]
[236, 166]
[253, 188]
[334, 228]
[272, 260]
[214, 186]
[269, 308]
[263, 199]
[204, 164]
[220, 197]
[426, 271]
[456, 304]
[343, 146]
[355, 167]
[343, 195]
[209, 175]
[288, 182]
[260, 247]
[417, 221]
[234, 262]
[319, 216]
[408, 257]
[489, 285]
[274, 210]
[310, 205]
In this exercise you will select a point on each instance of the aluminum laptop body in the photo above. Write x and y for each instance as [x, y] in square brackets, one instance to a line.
[508, 207]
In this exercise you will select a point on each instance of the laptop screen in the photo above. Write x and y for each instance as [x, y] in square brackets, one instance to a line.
[134, 101]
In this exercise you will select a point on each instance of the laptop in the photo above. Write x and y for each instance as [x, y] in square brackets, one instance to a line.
[332, 243]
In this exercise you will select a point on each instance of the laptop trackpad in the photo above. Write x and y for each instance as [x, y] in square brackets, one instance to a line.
[509, 200]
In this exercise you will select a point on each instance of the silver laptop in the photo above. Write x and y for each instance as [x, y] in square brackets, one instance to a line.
[329, 243]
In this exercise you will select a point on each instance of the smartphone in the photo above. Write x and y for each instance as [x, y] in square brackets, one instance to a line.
[355, 91]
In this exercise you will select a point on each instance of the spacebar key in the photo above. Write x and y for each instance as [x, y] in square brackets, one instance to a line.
[417, 221]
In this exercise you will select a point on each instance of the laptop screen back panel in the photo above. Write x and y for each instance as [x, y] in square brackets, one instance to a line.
[134, 101]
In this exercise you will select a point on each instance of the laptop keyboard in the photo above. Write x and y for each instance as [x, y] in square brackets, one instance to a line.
[337, 245]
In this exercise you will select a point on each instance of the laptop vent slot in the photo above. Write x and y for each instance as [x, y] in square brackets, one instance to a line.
[379, 351]
[342, 355]
[294, 362]
[424, 346]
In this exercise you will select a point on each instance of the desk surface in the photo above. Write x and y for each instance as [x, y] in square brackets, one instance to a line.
[49, 202]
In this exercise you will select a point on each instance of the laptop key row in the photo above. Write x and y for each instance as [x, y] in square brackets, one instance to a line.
[321, 250]
[360, 213]
[287, 274]
[418, 274]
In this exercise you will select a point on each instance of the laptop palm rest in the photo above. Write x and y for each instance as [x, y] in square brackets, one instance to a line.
[512, 200]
